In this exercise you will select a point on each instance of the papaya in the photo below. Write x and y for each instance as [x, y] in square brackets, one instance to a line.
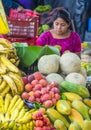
[75, 88]
[63, 107]
[74, 126]
[81, 108]
[86, 125]
[87, 101]
[54, 115]
[72, 96]
[59, 125]
[75, 116]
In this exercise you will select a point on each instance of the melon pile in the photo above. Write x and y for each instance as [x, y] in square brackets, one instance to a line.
[65, 67]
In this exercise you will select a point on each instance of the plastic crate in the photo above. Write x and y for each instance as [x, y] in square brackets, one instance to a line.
[23, 24]
[29, 41]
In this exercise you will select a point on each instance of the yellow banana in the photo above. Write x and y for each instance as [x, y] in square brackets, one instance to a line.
[5, 43]
[8, 99]
[20, 127]
[4, 125]
[5, 51]
[11, 83]
[19, 77]
[24, 127]
[27, 117]
[19, 104]
[1, 47]
[1, 79]
[15, 127]
[5, 91]
[14, 114]
[28, 125]
[2, 118]
[8, 64]
[19, 84]
[17, 62]
[31, 125]
[1, 104]
[2, 86]
[7, 116]
[4, 68]
[11, 124]
[12, 103]
[12, 60]
[21, 114]
[13, 54]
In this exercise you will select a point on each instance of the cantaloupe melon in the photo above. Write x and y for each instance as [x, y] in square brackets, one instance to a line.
[76, 78]
[70, 62]
[48, 64]
[54, 77]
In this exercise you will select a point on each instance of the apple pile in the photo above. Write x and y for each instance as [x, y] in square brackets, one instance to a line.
[37, 89]
[41, 121]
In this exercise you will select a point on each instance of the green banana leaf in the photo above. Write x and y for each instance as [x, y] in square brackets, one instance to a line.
[47, 50]
[29, 54]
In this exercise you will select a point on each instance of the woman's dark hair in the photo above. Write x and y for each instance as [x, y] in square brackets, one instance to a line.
[64, 14]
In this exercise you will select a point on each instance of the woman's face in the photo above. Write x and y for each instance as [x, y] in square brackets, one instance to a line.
[60, 26]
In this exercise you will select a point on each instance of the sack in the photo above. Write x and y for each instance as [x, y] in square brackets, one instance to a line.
[4, 29]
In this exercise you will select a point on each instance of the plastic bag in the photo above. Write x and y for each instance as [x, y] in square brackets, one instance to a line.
[4, 29]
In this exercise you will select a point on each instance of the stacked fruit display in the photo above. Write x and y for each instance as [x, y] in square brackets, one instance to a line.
[10, 75]
[14, 114]
[41, 121]
[37, 89]
[69, 109]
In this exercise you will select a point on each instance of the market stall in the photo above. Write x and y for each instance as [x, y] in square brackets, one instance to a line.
[39, 88]
[52, 97]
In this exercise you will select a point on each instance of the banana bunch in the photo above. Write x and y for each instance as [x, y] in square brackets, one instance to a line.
[13, 113]
[10, 75]
[11, 83]
[7, 49]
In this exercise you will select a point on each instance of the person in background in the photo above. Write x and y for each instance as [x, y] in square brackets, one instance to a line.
[61, 34]
[30, 4]
[8, 4]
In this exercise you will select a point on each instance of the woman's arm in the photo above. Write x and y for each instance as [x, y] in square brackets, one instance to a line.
[44, 39]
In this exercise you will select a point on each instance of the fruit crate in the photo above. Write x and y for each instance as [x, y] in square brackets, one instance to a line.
[23, 24]
[29, 41]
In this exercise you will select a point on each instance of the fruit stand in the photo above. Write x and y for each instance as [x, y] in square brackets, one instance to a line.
[53, 97]
[41, 90]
